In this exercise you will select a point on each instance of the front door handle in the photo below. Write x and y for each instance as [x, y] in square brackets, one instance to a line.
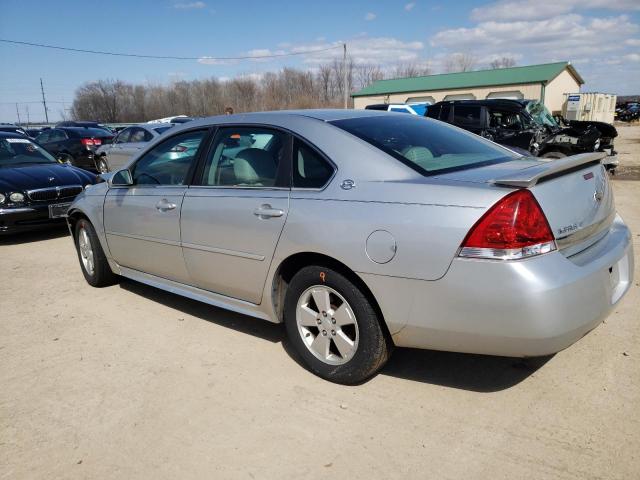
[165, 205]
[265, 211]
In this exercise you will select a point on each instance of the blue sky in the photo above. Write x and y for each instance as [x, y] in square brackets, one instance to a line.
[600, 37]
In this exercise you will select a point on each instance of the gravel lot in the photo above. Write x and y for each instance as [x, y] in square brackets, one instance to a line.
[132, 382]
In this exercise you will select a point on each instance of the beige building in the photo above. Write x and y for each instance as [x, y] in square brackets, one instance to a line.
[548, 83]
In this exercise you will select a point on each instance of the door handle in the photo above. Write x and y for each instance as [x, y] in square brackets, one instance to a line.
[265, 211]
[165, 205]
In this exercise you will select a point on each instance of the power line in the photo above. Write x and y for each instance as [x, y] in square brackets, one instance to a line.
[167, 57]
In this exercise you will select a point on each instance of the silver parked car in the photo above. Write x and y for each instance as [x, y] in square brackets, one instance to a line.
[115, 155]
[364, 230]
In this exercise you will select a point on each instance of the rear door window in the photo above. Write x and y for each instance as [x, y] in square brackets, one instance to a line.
[310, 169]
[466, 115]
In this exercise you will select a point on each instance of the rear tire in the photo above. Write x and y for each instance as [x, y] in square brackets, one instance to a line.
[93, 262]
[333, 326]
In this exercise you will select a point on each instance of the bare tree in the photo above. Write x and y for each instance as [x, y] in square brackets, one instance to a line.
[366, 74]
[403, 70]
[459, 62]
[504, 62]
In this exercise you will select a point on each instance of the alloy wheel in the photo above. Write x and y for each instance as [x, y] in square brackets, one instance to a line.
[327, 325]
[86, 251]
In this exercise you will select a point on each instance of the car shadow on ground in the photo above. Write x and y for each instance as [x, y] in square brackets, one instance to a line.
[34, 236]
[478, 373]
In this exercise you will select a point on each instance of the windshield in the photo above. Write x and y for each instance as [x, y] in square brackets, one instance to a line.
[428, 146]
[541, 115]
[16, 151]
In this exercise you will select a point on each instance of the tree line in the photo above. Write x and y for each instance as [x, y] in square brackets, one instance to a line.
[114, 101]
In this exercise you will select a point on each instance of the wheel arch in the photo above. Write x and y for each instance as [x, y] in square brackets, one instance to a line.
[295, 262]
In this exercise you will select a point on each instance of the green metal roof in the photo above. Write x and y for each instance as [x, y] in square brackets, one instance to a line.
[480, 78]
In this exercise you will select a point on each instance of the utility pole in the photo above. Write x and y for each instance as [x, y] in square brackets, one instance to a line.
[44, 102]
[344, 80]
[28, 118]
[18, 112]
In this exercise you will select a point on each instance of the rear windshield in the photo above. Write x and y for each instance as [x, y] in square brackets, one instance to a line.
[90, 132]
[426, 145]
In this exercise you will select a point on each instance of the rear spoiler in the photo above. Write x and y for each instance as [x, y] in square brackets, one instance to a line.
[528, 177]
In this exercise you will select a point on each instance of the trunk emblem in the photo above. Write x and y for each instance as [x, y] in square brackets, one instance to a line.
[51, 179]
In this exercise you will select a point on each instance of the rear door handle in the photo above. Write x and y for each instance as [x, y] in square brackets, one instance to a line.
[265, 211]
[165, 205]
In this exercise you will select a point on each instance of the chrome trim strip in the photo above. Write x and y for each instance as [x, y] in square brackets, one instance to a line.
[147, 239]
[4, 211]
[224, 251]
[585, 233]
[507, 253]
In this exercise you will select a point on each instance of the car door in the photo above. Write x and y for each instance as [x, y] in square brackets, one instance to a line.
[115, 155]
[231, 221]
[142, 220]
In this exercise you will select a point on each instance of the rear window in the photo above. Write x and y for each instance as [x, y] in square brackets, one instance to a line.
[466, 115]
[89, 132]
[427, 146]
[161, 129]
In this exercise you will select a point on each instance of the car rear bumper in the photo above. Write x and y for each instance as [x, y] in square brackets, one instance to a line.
[531, 307]
[23, 219]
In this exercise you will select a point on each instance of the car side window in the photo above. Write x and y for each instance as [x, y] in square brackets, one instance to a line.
[147, 135]
[43, 137]
[444, 114]
[137, 135]
[310, 170]
[169, 162]
[123, 136]
[245, 157]
[57, 136]
[466, 115]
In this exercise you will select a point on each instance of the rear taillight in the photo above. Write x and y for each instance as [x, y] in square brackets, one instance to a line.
[97, 141]
[86, 141]
[513, 228]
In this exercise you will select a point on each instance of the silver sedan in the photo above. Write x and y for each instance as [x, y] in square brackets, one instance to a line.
[113, 156]
[364, 230]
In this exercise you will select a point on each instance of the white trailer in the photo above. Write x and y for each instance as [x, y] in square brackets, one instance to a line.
[596, 107]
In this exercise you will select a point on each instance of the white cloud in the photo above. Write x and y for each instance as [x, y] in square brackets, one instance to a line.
[368, 50]
[409, 6]
[632, 57]
[564, 37]
[190, 5]
[537, 9]
[633, 42]
[370, 16]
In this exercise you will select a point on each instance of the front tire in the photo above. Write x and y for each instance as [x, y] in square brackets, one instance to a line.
[93, 262]
[333, 326]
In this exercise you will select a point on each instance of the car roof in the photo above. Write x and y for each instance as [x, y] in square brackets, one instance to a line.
[325, 115]
[82, 129]
[492, 102]
[10, 135]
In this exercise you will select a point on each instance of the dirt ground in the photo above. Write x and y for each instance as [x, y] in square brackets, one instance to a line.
[131, 382]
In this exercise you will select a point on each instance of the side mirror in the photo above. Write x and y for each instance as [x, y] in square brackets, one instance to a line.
[122, 178]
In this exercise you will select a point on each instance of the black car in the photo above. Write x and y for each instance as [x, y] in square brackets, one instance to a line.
[75, 145]
[11, 128]
[35, 189]
[527, 125]
[72, 123]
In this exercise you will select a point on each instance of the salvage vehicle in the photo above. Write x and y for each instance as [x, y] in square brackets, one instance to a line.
[75, 145]
[364, 230]
[527, 124]
[35, 189]
[131, 140]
